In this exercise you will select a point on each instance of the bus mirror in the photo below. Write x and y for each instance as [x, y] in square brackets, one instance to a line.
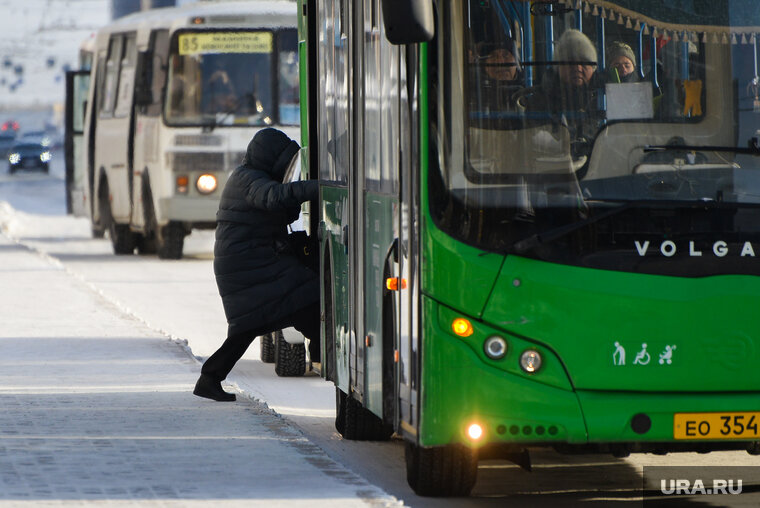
[408, 21]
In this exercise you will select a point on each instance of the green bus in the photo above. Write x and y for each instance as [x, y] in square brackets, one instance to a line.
[522, 243]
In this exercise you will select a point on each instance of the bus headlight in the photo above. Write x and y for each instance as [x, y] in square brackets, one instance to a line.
[495, 347]
[206, 183]
[530, 361]
[474, 431]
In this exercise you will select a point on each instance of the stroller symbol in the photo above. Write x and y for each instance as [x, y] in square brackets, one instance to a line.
[667, 355]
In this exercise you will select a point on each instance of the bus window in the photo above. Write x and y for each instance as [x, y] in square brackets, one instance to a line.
[519, 146]
[222, 77]
[159, 48]
[288, 77]
[108, 97]
[126, 77]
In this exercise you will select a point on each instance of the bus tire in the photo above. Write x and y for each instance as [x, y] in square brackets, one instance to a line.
[122, 239]
[289, 359]
[267, 347]
[97, 231]
[441, 471]
[170, 241]
[361, 424]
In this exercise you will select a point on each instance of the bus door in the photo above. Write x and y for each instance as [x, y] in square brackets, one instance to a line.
[77, 88]
[379, 148]
[151, 77]
[334, 140]
[407, 248]
[112, 151]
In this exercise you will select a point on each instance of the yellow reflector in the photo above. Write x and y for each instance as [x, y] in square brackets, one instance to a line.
[462, 327]
[475, 431]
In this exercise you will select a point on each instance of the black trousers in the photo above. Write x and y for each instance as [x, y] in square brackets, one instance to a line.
[234, 347]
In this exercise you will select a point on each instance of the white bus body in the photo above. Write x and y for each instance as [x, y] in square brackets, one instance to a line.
[175, 96]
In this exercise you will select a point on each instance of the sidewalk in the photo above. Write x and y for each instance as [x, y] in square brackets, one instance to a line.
[97, 409]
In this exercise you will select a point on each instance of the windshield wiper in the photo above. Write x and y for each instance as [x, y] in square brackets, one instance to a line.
[209, 127]
[753, 148]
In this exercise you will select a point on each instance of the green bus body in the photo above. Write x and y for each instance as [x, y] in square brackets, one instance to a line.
[618, 346]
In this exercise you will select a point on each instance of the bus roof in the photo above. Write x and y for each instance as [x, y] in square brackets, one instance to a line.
[260, 13]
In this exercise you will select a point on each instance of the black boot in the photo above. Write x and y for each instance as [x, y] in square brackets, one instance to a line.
[210, 388]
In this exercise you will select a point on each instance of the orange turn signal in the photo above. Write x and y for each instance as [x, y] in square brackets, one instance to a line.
[462, 327]
[393, 283]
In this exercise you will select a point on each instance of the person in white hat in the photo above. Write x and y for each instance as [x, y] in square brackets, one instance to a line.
[569, 92]
[576, 58]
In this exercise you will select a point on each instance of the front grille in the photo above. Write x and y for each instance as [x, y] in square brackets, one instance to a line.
[197, 140]
[186, 162]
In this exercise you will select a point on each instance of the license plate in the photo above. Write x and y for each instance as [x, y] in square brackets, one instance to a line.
[743, 425]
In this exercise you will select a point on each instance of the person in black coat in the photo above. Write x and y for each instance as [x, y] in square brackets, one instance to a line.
[263, 285]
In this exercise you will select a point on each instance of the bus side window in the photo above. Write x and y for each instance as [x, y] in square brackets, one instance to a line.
[108, 97]
[126, 77]
[159, 46]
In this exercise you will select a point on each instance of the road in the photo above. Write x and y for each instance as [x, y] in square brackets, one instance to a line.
[180, 300]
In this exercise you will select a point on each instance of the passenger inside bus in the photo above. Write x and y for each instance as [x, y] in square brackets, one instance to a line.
[621, 63]
[219, 91]
[570, 92]
[499, 75]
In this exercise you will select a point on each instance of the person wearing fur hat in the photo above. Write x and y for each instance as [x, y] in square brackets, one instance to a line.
[622, 61]
[576, 59]
[263, 285]
[569, 91]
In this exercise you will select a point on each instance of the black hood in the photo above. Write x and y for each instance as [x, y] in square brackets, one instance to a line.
[271, 150]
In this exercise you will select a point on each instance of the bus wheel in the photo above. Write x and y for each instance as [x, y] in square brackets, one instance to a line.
[289, 359]
[122, 239]
[97, 232]
[361, 424]
[267, 347]
[442, 471]
[170, 241]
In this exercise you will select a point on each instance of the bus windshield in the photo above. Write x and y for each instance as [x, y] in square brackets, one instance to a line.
[563, 107]
[228, 78]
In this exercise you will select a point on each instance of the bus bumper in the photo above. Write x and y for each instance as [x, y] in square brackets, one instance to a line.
[460, 387]
[188, 209]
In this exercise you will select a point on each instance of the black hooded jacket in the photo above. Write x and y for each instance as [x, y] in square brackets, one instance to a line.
[259, 283]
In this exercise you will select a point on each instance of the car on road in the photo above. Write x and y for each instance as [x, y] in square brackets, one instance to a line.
[28, 155]
[40, 137]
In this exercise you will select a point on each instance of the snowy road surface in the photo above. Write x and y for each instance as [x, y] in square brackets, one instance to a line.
[155, 307]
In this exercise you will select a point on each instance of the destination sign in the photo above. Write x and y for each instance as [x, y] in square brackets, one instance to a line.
[204, 43]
